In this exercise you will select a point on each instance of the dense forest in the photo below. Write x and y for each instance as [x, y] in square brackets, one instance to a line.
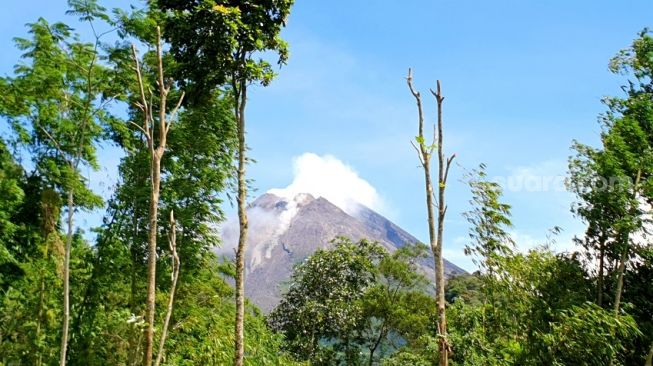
[168, 85]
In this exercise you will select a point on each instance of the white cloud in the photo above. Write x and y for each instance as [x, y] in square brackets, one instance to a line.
[326, 176]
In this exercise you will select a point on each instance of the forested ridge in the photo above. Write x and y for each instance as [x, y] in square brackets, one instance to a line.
[168, 85]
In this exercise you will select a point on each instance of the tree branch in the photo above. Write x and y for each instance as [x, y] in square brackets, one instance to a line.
[446, 171]
[173, 115]
[56, 145]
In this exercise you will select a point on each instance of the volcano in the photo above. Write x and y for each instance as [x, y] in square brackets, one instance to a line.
[284, 231]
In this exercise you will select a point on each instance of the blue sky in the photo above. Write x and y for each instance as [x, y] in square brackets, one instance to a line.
[521, 79]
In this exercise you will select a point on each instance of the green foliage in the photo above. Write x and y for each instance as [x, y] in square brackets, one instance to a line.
[489, 220]
[57, 104]
[219, 42]
[30, 307]
[614, 186]
[321, 310]
[604, 178]
[11, 196]
[464, 287]
[637, 289]
[588, 335]
[354, 304]
[539, 305]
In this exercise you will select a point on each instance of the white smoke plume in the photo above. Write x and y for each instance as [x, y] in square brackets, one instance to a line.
[319, 176]
[326, 176]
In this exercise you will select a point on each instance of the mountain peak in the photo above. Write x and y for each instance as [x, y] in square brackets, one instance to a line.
[272, 201]
[285, 230]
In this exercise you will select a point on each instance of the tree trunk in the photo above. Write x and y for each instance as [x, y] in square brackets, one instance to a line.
[442, 210]
[624, 255]
[424, 153]
[241, 100]
[40, 311]
[376, 344]
[601, 265]
[156, 154]
[151, 258]
[620, 280]
[66, 280]
[173, 288]
[649, 358]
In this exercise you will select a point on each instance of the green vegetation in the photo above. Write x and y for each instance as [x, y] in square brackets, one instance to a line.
[148, 289]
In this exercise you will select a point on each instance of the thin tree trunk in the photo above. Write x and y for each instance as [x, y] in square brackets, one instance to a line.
[622, 261]
[66, 280]
[173, 288]
[620, 281]
[424, 153]
[649, 358]
[624, 255]
[156, 154]
[442, 210]
[39, 320]
[382, 335]
[601, 265]
[240, 101]
[151, 258]
[40, 315]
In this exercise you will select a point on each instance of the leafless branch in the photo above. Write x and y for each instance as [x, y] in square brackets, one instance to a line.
[419, 153]
[141, 88]
[446, 171]
[173, 115]
[140, 128]
[56, 145]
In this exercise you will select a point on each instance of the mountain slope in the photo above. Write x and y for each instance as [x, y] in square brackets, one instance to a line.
[285, 231]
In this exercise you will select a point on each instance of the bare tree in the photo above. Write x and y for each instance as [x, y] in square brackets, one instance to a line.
[424, 153]
[156, 148]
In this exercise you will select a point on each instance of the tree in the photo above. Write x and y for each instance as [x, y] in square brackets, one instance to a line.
[57, 104]
[155, 131]
[489, 219]
[617, 209]
[231, 35]
[355, 304]
[322, 304]
[424, 153]
[397, 306]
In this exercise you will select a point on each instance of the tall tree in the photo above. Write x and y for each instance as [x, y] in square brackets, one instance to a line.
[155, 130]
[218, 43]
[424, 153]
[613, 181]
[60, 101]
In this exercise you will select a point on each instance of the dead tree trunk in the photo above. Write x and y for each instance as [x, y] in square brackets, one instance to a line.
[424, 153]
[156, 149]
